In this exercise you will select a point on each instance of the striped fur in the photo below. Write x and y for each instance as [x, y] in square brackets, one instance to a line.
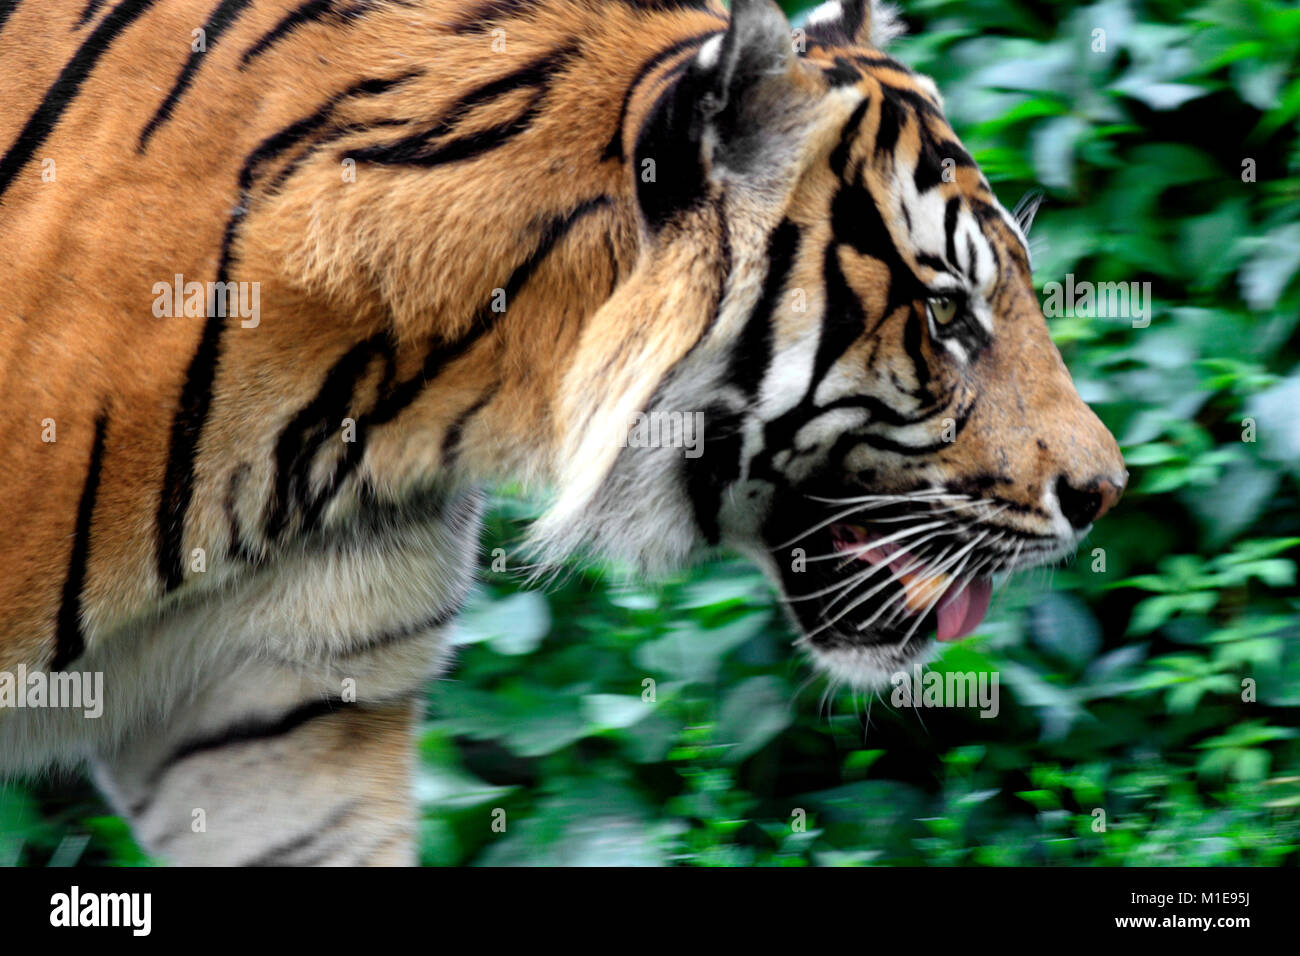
[485, 237]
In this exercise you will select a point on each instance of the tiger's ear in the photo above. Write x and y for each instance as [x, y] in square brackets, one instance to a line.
[855, 23]
[716, 120]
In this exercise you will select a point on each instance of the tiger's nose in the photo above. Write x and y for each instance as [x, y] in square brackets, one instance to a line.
[1083, 506]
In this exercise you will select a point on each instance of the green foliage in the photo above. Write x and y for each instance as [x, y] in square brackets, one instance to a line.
[1150, 690]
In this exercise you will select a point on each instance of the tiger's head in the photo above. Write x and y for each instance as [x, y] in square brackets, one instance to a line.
[880, 417]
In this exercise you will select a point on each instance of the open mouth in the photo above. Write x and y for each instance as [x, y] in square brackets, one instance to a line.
[878, 575]
[958, 604]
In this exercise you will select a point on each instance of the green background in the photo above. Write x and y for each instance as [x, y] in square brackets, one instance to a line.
[1121, 690]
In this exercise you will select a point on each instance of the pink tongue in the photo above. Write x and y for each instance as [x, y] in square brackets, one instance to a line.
[961, 611]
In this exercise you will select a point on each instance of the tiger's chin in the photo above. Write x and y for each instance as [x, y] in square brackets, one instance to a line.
[869, 667]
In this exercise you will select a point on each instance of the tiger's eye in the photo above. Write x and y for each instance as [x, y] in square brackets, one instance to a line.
[942, 309]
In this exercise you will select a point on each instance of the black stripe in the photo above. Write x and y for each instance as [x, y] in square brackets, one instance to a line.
[753, 354]
[223, 15]
[239, 547]
[892, 116]
[881, 60]
[88, 14]
[856, 220]
[196, 393]
[398, 832]
[251, 730]
[307, 12]
[950, 210]
[841, 73]
[439, 618]
[7, 7]
[710, 475]
[418, 149]
[246, 731]
[912, 345]
[917, 101]
[440, 356]
[275, 856]
[669, 138]
[535, 73]
[934, 154]
[850, 440]
[614, 148]
[382, 347]
[664, 6]
[880, 412]
[839, 158]
[335, 133]
[64, 89]
[935, 263]
[310, 11]
[255, 729]
[306, 433]
[69, 639]
[454, 151]
[881, 443]
[451, 440]
[485, 15]
[282, 854]
[332, 135]
[990, 218]
[187, 425]
[843, 321]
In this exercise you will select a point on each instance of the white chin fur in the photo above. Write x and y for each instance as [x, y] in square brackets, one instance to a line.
[870, 668]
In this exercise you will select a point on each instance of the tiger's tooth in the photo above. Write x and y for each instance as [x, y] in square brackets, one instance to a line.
[920, 591]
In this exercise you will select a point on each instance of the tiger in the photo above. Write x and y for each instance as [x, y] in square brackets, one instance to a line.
[290, 285]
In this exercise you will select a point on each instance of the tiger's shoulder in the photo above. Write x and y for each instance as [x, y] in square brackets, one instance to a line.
[193, 190]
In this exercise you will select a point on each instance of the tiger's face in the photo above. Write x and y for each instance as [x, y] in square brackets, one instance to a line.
[888, 424]
[921, 434]
[916, 431]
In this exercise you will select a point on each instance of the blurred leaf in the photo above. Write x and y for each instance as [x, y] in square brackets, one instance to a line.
[512, 625]
[1272, 267]
[754, 712]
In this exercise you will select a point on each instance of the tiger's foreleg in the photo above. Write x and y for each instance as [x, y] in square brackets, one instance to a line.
[264, 768]
[271, 722]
